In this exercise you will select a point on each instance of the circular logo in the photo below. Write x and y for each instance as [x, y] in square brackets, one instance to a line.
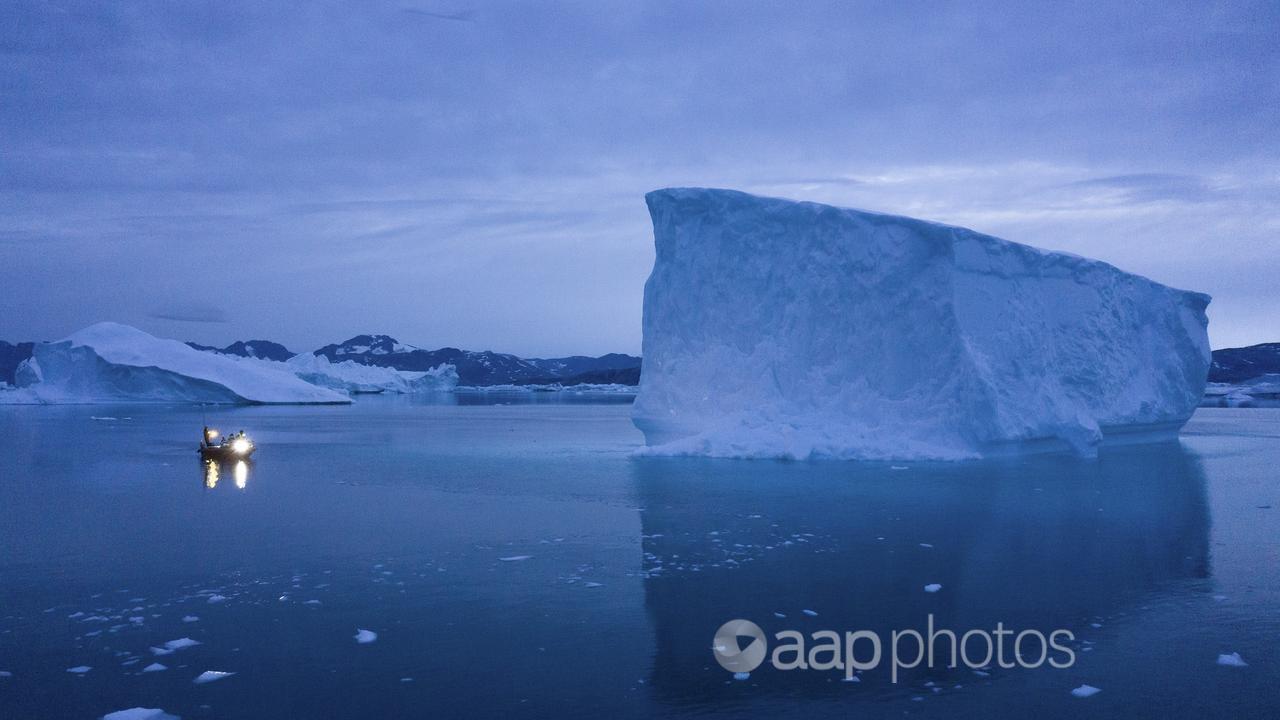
[740, 646]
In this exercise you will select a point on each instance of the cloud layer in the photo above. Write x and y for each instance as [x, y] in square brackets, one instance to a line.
[472, 175]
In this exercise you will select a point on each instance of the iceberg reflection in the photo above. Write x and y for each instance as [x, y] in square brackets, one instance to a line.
[1035, 542]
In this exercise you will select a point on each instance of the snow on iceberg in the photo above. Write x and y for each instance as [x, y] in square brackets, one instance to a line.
[109, 362]
[775, 328]
[353, 377]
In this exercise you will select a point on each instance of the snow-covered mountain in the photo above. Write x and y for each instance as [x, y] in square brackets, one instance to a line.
[476, 368]
[485, 367]
[261, 349]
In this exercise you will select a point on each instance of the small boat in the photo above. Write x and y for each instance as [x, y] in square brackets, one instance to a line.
[214, 446]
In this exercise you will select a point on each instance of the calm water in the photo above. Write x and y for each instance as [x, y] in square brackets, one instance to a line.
[395, 516]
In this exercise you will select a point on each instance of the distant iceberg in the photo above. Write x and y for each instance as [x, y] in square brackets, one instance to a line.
[775, 328]
[109, 362]
[352, 377]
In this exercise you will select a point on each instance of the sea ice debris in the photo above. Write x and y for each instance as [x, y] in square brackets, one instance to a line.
[180, 644]
[1085, 691]
[1232, 660]
[140, 713]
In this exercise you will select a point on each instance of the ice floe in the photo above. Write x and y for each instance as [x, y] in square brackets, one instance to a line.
[1085, 691]
[1232, 660]
[209, 676]
[365, 636]
[932, 588]
[140, 713]
[155, 667]
[180, 644]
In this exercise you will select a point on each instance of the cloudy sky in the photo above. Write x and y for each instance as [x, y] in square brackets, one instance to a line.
[472, 174]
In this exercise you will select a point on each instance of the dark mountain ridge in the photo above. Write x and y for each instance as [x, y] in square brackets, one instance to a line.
[485, 367]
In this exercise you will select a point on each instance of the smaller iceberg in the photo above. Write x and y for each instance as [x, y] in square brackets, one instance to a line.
[355, 378]
[110, 362]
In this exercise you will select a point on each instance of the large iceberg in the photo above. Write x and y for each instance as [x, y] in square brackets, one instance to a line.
[775, 328]
[109, 362]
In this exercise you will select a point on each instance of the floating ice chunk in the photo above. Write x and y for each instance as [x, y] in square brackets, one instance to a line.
[932, 588]
[216, 598]
[79, 669]
[593, 584]
[190, 618]
[5, 674]
[926, 545]
[209, 676]
[140, 713]
[1085, 691]
[406, 679]
[515, 558]
[160, 651]
[897, 467]
[810, 613]
[741, 675]
[1232, 660]
[365, 636]
[786, 329]
[311, 602]
[779, 615]
[155, 667]
[180, 644]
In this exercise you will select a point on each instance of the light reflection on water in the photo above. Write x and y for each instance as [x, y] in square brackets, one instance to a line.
[213, 473]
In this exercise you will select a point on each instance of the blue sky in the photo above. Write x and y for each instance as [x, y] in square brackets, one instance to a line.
[472, 174]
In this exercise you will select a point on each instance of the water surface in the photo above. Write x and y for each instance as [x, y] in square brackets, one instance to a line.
[516, 561]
